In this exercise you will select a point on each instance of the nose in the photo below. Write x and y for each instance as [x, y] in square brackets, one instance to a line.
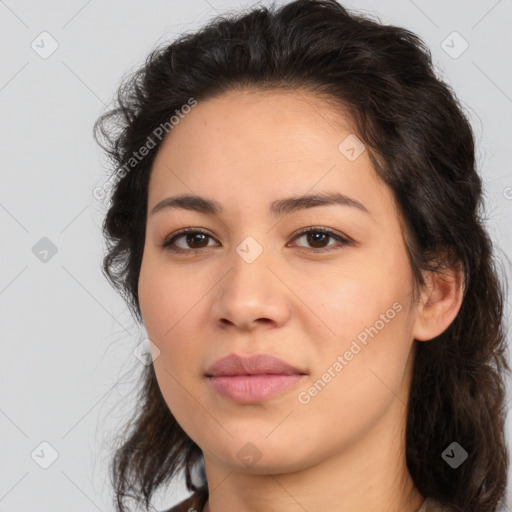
[252, 293]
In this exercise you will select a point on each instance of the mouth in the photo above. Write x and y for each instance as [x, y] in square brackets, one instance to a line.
[252, 379]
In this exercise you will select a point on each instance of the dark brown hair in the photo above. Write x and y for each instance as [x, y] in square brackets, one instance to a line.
[421, 145]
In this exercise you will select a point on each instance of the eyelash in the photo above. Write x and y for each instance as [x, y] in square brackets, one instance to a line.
[167, 244]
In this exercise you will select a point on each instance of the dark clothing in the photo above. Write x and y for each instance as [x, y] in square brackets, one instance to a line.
[193, 503]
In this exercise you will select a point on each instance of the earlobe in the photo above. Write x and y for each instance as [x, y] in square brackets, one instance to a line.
[440, 303]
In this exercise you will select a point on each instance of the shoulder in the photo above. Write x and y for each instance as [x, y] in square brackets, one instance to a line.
[193, 503]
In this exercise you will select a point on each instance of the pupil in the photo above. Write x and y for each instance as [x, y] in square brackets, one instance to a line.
[314, 236]
[192, 238]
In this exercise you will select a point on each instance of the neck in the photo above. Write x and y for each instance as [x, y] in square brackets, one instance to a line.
[371, 475]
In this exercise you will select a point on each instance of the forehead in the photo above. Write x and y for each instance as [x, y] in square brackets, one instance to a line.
[246, 112]
[269, 122]
[261, 144]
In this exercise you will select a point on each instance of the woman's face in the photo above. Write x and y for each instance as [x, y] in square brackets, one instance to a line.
[340, 313]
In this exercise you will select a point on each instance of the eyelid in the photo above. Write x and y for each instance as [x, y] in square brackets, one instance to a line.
[322, 229]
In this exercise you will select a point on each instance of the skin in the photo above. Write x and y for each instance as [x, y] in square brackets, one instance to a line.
[345, 448]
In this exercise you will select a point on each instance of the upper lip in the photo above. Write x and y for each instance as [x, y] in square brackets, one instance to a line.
[235, 364]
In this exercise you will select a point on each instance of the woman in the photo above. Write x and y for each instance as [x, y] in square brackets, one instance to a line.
[296, 222]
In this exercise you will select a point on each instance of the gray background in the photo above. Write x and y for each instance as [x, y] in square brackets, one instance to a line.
[67, 366]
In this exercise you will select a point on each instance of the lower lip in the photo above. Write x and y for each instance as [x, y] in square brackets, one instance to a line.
[252, 388]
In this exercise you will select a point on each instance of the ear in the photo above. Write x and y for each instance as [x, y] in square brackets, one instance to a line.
[440, 302]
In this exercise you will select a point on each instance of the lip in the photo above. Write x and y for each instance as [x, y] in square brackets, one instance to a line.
[253, 378]
[235, 364]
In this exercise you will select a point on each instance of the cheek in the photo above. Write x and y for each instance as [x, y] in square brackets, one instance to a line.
[355, 382]
[350, 298]
[365, 319]
[169, 308]
[165, 299]
[181, 397]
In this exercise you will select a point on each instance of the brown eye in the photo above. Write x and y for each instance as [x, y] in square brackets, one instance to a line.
[194, 240]
[318, 238]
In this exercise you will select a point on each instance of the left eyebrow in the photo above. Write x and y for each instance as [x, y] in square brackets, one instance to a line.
[278, 207]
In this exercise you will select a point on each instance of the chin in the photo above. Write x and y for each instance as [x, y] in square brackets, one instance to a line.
[260, 455]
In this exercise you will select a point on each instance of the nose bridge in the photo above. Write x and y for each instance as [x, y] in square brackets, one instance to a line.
[250, 264]
[252, 247]
[250, 290]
